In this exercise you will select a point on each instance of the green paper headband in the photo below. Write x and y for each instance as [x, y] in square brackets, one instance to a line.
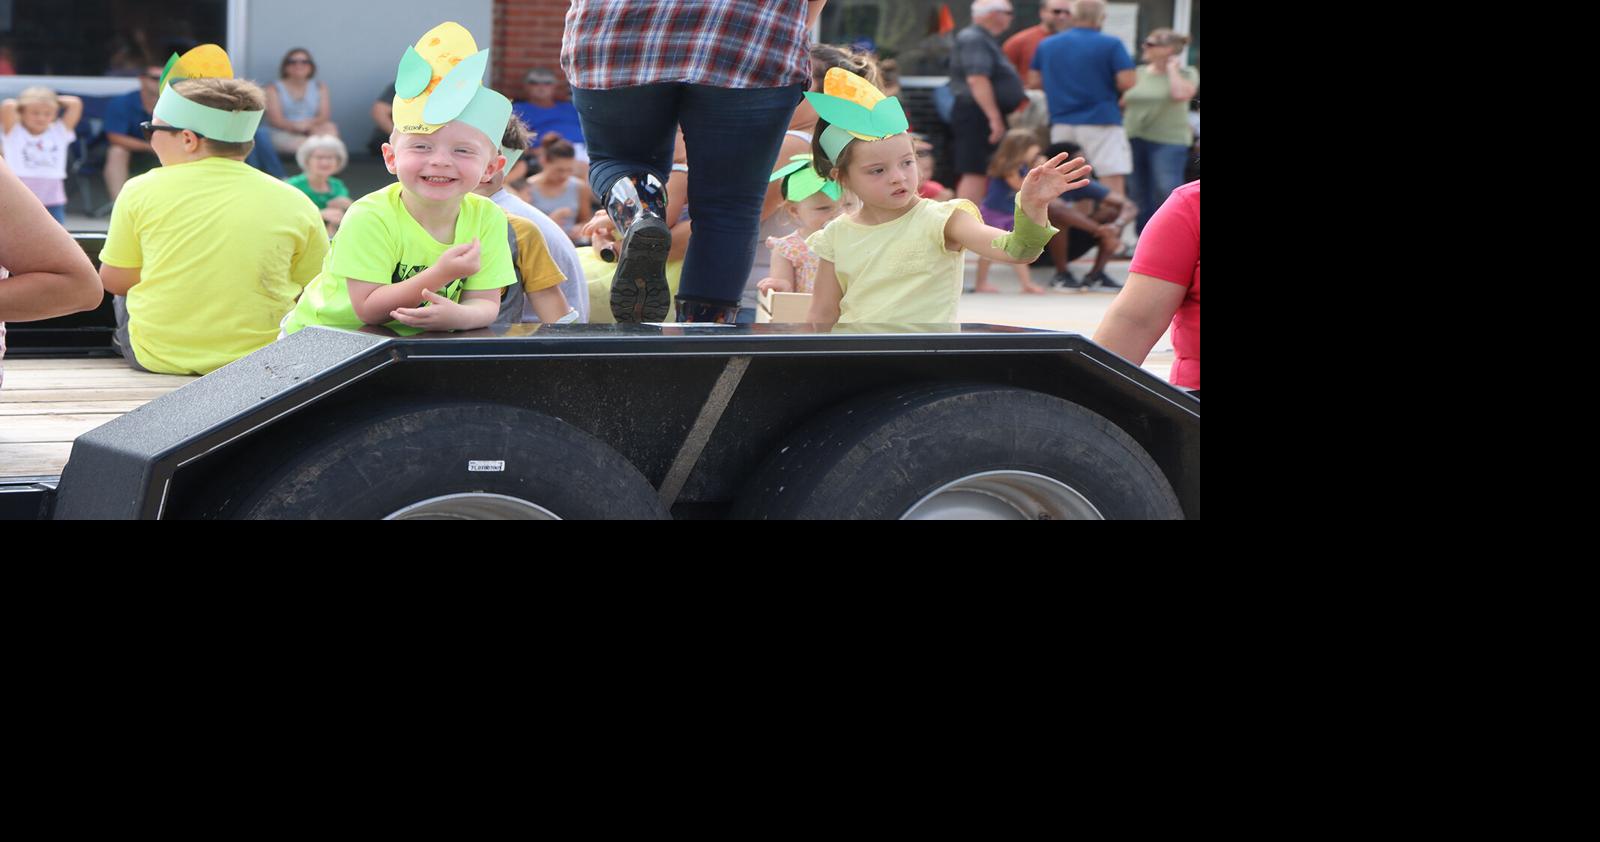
[425, 100]
[803, 180]
[855, 110]
[207, 61]
[511, 157]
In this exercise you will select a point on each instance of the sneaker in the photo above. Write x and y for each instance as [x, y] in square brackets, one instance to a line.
[1065, 280]
[1100, 280]
[639, 291]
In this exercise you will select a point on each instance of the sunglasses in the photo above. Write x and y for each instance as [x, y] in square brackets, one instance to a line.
[154, 77]
[149, 129]
[298, 61]
[1153, 44]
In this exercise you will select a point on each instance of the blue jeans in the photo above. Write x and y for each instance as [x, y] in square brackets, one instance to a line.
[1157, 171]
[732, 135]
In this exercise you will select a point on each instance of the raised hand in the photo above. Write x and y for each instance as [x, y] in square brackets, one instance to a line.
[1052, 178]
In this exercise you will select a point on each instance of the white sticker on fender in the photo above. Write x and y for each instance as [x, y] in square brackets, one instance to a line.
[486, 466]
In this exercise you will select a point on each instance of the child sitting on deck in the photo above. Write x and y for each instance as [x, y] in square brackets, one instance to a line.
[899, 258]
[209, 251]
[425, 253]
[811, 202]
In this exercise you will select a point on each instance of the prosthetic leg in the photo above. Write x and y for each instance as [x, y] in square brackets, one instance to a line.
[638, 207]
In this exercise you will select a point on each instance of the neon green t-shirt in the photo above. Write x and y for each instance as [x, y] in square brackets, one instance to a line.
[896, 272]
[380, 243]
[222, 251]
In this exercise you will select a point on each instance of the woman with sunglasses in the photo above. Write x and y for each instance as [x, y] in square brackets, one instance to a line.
[297, 104]
[1157, 119]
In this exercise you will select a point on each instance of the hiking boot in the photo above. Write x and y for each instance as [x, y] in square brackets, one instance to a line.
[707, 312]
[639, 292]
[1065, 281]
[1101, 281]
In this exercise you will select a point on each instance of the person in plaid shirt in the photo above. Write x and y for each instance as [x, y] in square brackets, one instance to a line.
[730, 73]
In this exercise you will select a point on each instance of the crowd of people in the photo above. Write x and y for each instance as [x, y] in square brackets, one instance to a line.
[688, 174]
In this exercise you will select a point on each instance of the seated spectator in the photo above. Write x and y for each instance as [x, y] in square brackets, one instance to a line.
[928, 188]
[1091, 217]
[128, 153]
[297, 104]
[1163, 289]
[209, 252]
[382, 121]
[320, 157]
[542, 113]
[558, 191]
[50, 274]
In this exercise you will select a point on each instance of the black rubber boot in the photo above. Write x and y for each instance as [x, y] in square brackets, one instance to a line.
[707, 312]
[639, 292]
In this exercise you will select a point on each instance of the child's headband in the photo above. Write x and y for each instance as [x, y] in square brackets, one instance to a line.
[440, 80]
[207, 61]
[855, 110]
[804, 181]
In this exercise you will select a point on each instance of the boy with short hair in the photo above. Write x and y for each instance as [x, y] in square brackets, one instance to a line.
[209, 252]
[546, 261]
[424, 253]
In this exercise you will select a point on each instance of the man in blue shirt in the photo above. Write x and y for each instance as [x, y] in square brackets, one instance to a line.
[1084, 72]
[541, 112]
[123, 116]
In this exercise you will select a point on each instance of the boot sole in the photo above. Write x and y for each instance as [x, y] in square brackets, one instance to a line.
[639, 291]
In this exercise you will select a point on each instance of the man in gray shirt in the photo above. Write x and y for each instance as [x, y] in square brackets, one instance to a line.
[986, 88]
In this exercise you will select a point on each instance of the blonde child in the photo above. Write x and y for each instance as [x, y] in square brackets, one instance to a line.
[1019, 150]
[205, 253]
[899, 258]
[37, 130]
[425, 253]
[811, 202]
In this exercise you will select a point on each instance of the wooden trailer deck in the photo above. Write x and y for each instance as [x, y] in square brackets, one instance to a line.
[46, 403]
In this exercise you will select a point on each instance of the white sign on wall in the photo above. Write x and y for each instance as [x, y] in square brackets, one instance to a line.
[1122, 20]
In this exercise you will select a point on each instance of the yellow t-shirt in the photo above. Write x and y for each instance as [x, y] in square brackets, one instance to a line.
[380, 243]
[222, 251]
[534, 263]
[896, 272]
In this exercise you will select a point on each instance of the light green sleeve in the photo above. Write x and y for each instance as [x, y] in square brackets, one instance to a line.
[122, 248]
[494, 255]
[365, 249]
[822, 243]
[308, 262]
[941, 213]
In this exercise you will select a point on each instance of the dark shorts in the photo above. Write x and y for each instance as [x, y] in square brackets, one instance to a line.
[1079, 242]
[970, 149]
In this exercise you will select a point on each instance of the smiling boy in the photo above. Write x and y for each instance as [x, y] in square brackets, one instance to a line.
[424, 253]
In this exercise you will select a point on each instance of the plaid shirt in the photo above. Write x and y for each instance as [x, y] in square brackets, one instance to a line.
[727, 43]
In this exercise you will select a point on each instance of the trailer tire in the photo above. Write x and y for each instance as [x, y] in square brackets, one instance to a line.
[930, 451]
[456, 461]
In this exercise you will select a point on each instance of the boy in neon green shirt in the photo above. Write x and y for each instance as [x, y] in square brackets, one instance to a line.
[209, 252]
[424, 253]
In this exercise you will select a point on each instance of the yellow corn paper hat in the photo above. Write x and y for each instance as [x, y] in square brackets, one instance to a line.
[207, 61]
[440, 80]
[855, 110]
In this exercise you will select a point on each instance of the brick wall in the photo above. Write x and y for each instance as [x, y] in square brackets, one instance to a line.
[527, 34]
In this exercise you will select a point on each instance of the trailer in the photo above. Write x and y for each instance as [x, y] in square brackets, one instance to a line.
[527, 421]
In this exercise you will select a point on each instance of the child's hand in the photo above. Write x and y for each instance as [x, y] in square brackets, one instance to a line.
[1048, 181]
[601, 233]
[441, 314]
[775, 285]
[462, 260]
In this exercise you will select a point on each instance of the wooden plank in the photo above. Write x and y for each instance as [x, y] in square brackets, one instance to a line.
[57, 364]
[140, 393]
[37, 459]
[89, 379]
[9, 410]
[42, 428]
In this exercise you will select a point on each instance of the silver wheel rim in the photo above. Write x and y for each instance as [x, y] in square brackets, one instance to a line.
[1004, 495]
[473, 507]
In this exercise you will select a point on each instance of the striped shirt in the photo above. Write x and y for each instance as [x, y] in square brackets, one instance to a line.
[727, 43]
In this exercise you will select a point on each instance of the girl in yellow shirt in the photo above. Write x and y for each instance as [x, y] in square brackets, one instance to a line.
[899, 257]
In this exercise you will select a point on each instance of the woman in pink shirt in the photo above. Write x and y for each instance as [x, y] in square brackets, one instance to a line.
[1163, 288]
